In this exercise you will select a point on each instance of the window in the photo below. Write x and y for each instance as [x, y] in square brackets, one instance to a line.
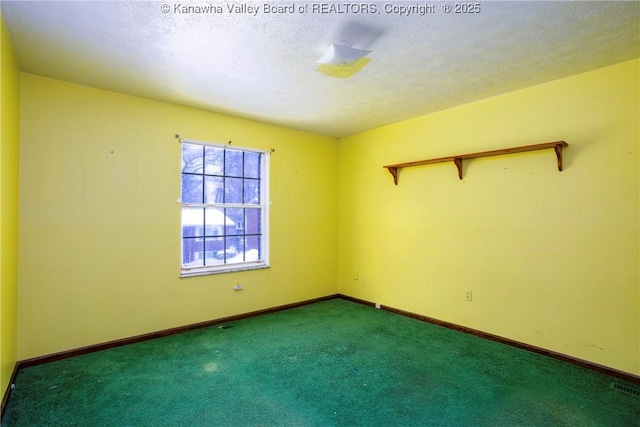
[224, 208]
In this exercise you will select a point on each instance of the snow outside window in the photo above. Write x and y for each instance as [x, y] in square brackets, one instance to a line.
[224, 208]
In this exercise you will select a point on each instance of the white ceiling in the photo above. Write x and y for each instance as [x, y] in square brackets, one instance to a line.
[263, 67]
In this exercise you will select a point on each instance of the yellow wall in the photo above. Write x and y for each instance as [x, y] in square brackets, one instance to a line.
[551, 257]
[9, 170]
[100, 222]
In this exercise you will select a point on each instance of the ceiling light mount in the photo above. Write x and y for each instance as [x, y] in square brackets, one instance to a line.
[342, 54]
[343, 61]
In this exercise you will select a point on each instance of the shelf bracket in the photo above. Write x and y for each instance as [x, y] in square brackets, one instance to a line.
[458, 163]
[558, 149]
[394, 172]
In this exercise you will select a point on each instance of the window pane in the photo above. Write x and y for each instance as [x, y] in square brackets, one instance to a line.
[192, 222]
[214, 189]
[191, 158]
[239, 245]
[233, 190]
[251, 191]
[191, 189]
[214, 158]
[235, 221]
[233, 163]
[215, 251]
[192, 252]
[252, 251]
[251, 165]
[253, 222]
[231, 249]
[214, 222]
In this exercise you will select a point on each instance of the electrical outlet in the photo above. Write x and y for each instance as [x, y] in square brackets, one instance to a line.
[355, 275]
[468, 295]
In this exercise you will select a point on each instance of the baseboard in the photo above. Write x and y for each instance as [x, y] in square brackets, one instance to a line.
[159, 334]
[625, 376]
[358, 300]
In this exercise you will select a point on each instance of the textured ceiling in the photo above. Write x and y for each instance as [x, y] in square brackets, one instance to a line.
[262, 65]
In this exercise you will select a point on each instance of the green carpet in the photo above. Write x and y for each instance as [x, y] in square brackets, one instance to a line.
[333, 363]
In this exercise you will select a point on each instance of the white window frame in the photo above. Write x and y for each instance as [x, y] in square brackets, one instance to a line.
[263, 206]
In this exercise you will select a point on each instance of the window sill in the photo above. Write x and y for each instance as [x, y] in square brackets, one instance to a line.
[207, 271]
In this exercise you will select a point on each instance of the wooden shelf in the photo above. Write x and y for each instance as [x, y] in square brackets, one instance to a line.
[457, 160]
